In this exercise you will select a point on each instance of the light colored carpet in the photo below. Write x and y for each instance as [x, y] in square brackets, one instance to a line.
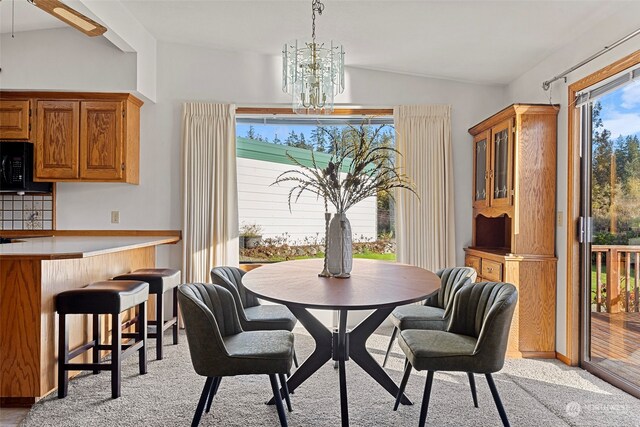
[534, 392]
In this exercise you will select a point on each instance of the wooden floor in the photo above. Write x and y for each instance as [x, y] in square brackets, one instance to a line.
[615, 343]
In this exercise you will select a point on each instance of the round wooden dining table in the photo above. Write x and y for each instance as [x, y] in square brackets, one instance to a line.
[376, 285]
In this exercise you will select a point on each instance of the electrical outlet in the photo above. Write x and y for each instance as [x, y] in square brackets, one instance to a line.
[115, 217]
[560, 218]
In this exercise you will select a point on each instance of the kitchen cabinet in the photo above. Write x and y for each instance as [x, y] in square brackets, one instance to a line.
[57, 140]
[15, 119]
[101, 140]
[513, 228]
[85, 137]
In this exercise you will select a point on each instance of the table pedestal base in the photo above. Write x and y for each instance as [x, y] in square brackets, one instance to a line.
[342, 346]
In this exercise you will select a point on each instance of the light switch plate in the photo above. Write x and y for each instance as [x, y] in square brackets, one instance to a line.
[115, 217]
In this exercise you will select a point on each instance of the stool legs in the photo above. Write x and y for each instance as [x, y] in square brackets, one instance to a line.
[141, 328]
[139, 345]
[116, 356]
[159, 325]
[175, 315]
[96, 339]
[63, 357]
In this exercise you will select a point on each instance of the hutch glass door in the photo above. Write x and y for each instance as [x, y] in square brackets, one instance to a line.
[500, 190]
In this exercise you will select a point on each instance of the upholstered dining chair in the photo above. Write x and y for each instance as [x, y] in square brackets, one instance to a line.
[475, 341]
[219, 347]
[253, 315]
[434, 313]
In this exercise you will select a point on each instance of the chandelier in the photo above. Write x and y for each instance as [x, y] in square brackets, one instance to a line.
[313, 73]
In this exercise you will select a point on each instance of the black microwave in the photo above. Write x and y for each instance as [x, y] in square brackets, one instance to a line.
[16, 169]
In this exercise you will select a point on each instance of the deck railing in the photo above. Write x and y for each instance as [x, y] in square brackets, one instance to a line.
[618, 290]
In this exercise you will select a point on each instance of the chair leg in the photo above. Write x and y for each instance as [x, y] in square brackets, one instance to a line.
[63, 356]
[159, 325]
[295, 358]
[96, 338]
[285, 389]
[472, 383]
[425, 399]
[212, 392]
[116, 355]
[403, 384]
[175, 315]
[201, 402]
[393, 337]
[278, 400]
[142, 336]
[496, 398]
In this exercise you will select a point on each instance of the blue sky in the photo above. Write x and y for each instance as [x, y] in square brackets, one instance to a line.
[621, 110]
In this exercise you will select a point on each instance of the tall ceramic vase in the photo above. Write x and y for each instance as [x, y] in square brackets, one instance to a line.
[339, 249]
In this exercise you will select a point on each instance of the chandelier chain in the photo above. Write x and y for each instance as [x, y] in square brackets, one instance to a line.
[316, 6]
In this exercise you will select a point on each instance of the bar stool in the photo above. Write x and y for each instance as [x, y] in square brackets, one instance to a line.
[107, 297]
[160, 280]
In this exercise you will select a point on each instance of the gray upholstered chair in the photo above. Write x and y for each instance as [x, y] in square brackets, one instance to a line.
[253, 315]
[475, 340]
[219, 347]
[434, 313]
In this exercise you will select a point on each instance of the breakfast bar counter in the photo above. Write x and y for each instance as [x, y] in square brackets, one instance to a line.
[65, 247]
[32, 272]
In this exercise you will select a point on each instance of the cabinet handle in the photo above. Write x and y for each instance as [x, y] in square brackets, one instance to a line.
[490, 269]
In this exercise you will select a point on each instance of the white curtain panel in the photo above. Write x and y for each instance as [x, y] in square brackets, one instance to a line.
[425, 228]
[210, 195]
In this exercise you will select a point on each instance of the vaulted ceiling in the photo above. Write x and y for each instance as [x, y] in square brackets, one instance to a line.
[477, 41]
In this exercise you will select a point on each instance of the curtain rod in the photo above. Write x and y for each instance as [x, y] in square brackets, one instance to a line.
[547, 84]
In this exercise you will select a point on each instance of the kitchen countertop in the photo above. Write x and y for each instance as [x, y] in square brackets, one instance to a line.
[64, 247]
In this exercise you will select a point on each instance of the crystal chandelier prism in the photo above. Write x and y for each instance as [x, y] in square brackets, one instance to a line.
[313, 72]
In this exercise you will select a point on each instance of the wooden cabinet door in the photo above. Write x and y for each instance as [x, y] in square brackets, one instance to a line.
[57, 140]
[481, 166]
[101, 140]
[501, 189]
[14, 119]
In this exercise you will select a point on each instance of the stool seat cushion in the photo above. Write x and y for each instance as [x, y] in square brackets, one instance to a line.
[107, 297]
[160, 279]
[259, 352]
[419, 317]
[269, 317]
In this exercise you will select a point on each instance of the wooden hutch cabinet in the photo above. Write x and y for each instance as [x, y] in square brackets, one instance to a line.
[90, 137]
[514, 195]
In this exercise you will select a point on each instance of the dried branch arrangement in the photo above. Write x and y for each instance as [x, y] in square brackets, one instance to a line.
[369, 169]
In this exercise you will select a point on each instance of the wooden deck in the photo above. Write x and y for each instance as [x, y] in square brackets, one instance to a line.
[615, 343]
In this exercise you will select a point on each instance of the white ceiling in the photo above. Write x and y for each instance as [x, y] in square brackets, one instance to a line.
[478, 41]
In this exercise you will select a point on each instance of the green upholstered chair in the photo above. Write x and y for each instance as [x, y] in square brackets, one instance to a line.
[475, 340]
[434, 313]
[253, 315]
[219, 347]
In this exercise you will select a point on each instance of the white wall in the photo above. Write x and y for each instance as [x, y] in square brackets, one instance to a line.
[265, 205]
[190, 73]
[64, 59]
[528, 88]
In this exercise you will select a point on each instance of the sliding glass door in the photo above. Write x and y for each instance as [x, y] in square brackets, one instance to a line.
[610, 231]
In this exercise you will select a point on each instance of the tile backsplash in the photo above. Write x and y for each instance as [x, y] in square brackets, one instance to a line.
[29, 212]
